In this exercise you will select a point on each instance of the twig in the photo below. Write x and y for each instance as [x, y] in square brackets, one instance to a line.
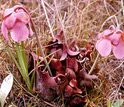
[62, 25]
[118, 89]
[118, 66]
[42, 53]
[47, 18]
[105, 3]
[94, 64]
[122, 6]
[110, 18]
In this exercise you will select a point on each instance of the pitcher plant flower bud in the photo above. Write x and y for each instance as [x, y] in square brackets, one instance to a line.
[111, 39]
[17, 20]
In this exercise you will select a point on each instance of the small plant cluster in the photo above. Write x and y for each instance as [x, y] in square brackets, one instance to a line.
[60, 69]
[69, 73]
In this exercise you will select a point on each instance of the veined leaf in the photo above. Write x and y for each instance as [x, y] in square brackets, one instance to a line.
[5, 88]
[118, 103]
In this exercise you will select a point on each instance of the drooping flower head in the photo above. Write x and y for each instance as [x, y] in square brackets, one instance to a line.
[17, 20]
[111, 39]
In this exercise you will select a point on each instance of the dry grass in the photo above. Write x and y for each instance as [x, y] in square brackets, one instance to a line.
[79, 19]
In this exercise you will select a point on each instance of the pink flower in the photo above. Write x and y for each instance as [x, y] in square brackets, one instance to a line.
[17, 20]
[111, 39]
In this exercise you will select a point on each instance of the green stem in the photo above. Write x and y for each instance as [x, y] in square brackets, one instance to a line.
[94, 64]
[23, 53]
[24, 70]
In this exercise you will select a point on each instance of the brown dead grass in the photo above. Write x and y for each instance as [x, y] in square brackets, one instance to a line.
[79, 19]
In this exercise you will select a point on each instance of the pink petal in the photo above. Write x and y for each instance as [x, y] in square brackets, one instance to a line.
[22, 16]
[4, 31]
[118, 50]
[19, 32]
[7, 12]
[103, 46]
[104, 33]
[10, 21]
[115, 38]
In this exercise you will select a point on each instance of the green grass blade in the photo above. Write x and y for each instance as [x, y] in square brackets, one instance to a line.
[32, 78]
[23, 53]
[11, 55]
[24, 71]
[108, 103]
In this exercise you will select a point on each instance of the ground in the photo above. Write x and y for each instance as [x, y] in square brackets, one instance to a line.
[79, 19]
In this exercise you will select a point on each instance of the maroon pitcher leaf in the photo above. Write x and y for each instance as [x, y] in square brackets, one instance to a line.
[36, 57]
[64, 54]
[77, 102]
[62, 81]
[70, 52]
[72, 64]
[85, 79]
[56, 64]
[84, 76]
[58, 37]
[70, 74]
[47, 86]
[72, 89]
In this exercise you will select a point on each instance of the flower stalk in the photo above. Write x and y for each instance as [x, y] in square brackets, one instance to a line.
[40, 47]
[94, 64]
